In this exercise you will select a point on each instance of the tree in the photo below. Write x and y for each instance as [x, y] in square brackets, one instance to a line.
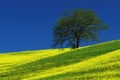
[75, 26]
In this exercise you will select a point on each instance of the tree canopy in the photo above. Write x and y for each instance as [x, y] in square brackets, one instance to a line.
[75, 26]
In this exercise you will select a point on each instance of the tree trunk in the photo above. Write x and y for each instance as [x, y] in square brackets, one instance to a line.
[78, 43]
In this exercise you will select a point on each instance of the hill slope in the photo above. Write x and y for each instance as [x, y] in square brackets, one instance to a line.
[101, 61]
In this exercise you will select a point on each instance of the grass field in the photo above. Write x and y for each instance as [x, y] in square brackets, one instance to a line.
[96, 62]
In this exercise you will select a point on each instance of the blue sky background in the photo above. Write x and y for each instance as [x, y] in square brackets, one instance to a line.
[27, 24]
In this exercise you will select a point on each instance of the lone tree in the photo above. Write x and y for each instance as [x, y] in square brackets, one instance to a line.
[75, 26]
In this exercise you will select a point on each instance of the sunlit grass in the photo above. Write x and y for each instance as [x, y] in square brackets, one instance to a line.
[97, 62]
[9, 60]
[29, 55]
[109, 60]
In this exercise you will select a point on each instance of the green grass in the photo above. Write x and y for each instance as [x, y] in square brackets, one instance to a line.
[96, 62]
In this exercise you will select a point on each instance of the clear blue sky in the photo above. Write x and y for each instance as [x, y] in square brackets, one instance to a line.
[27, 24]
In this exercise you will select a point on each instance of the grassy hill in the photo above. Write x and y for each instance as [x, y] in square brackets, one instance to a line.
[96, 62]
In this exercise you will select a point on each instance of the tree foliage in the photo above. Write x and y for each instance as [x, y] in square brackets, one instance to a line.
[75, 26]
